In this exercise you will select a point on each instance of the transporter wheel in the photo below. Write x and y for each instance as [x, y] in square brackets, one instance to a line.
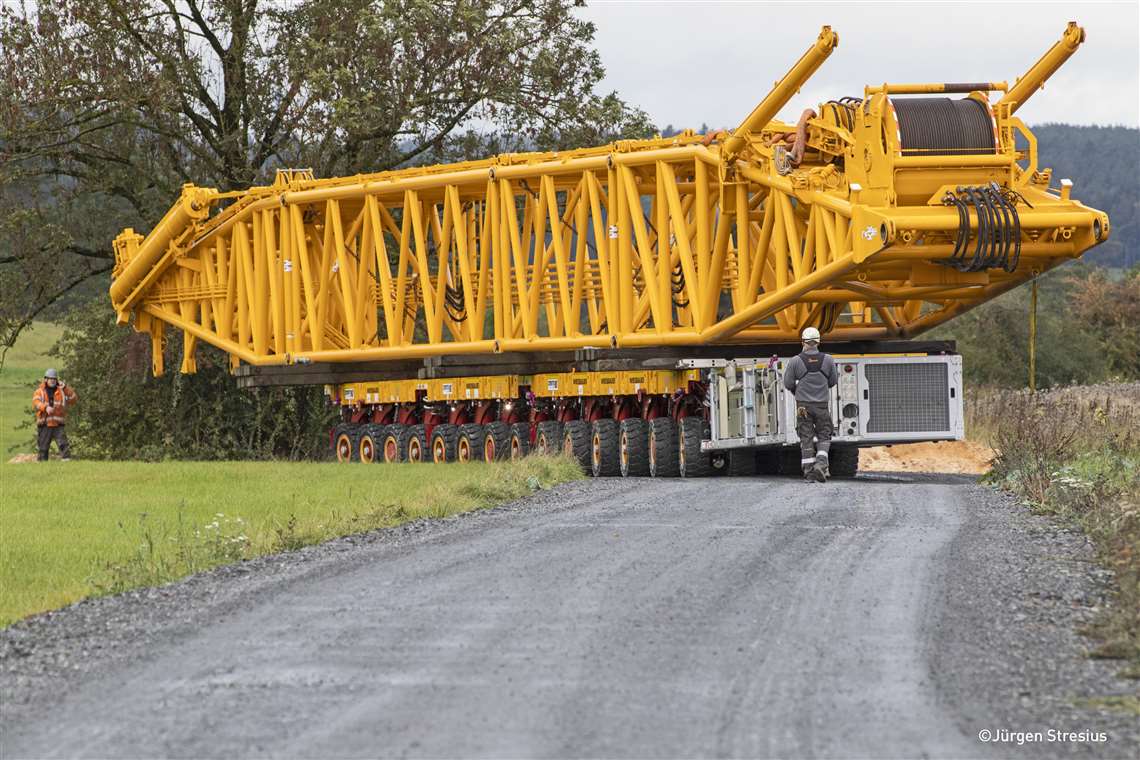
[548, 437]
[344, 442]
[443, 441]
[391, 448]
[415, 447]
[691, 461]
[520, 440]
[663, 448]
[844, 461]
[496, 442]
[790, 462]
[604, 451]
[576, 442]
[633, 442]
[370, 443]
[742, 463]
[469, 447]
[768, 462]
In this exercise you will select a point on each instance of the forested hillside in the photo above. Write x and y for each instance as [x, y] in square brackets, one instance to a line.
[1103, 163]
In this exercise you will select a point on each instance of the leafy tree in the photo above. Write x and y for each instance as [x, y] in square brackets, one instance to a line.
[1086, 331]
[127, 414]
[1110, 311]
[107, 108]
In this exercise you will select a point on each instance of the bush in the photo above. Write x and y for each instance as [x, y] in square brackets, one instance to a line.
[1075, 453]
[126, 413]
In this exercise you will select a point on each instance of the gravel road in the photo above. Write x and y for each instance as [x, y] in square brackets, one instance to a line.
[889, 616]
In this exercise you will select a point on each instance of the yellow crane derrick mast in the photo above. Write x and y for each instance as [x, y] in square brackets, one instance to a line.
[872, 218]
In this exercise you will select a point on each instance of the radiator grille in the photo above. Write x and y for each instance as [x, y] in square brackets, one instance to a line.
[911, 397]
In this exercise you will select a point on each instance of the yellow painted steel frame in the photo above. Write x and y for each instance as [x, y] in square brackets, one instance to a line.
[507, 387]
[668, 241]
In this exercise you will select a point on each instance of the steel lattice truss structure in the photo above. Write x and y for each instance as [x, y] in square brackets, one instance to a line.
[877, 217]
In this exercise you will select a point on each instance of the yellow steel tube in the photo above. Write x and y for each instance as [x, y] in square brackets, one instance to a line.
[1034, 79]
[777, 300]
[250, 357]
[930, 88]
[192, 206]
[787, 87]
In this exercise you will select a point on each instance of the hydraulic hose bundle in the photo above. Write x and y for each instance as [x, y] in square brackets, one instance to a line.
[998, 242]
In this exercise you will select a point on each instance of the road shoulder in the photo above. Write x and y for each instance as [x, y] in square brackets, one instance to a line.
[1006, 653]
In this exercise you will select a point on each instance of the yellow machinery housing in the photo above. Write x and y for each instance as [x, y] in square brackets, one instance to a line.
[872, 218]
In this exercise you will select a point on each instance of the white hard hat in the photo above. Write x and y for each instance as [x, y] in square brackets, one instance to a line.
[810, 333]
[51, 374]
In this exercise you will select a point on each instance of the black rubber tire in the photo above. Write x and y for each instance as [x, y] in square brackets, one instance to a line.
[392, 450]
[844, 461]
[415, 435]
[605, 455]
[790, 462]
[742, 463]
[469, 445]
[344, 442]
[576, 442]
[443, 440]
[691, 461]
[368, 443]
[520, 440]
[548, 437]
[499, 434]
[663, 448]
[633, 442]
[768, 461]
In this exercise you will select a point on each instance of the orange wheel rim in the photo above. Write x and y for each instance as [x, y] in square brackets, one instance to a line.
[596, 454]
[624, 450]
[437, 450]
[343, 448]
[414, 453]
[652, 450]
[463, 454]
[390, 448]
[489, 449]
[567, 445]
[367, 453]
[516, 448]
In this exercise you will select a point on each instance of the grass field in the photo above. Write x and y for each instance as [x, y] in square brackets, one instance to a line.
[69, 530]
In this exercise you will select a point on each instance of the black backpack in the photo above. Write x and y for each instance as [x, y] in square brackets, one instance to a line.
[813, 362]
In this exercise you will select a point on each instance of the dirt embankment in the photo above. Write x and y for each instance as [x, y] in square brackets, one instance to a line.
[960, 457]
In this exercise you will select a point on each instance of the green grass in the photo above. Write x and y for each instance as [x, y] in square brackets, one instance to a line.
[83, 528]
[78, 529]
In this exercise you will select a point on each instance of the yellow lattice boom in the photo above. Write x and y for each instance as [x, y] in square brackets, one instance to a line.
[872, 217]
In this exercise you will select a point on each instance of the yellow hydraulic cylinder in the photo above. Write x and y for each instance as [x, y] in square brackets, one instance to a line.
[194, 205]
[784, 90]
[1034, 79]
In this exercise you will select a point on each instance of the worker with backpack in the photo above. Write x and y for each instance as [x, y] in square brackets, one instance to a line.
[811, 375]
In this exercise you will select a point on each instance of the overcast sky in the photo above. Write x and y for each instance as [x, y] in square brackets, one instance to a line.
[690, 62]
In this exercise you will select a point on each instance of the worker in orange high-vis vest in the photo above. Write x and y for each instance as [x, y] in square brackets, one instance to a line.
[51, 401]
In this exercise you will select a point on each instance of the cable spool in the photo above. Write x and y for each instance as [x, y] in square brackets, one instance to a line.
[944, 127]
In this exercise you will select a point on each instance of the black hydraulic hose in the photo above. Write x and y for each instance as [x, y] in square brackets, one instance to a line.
[994, 239]
[1008, 215]
[1011, 265]
[962, 242]
[963, 222]
[1002, 233]
[977, 262]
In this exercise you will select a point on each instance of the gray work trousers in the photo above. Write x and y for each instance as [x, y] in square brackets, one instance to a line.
[813, 425]
[45, 435]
